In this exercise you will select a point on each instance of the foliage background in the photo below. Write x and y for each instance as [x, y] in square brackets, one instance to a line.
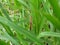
[29, 22]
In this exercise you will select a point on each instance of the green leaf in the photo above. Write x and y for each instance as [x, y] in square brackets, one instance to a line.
[52, 34]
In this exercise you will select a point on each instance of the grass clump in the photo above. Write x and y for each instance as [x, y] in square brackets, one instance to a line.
[29, 22]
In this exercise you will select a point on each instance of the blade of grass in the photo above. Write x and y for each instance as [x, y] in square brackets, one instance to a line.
[5, 12]
[21, 39]
[6, 37]
[53, 34]
[10, 38]
[56, 8]
[3, 37]
[3, 43]
[53, 20]
[20, 30]
[23, 3]
[34, 6]
[7, 29]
